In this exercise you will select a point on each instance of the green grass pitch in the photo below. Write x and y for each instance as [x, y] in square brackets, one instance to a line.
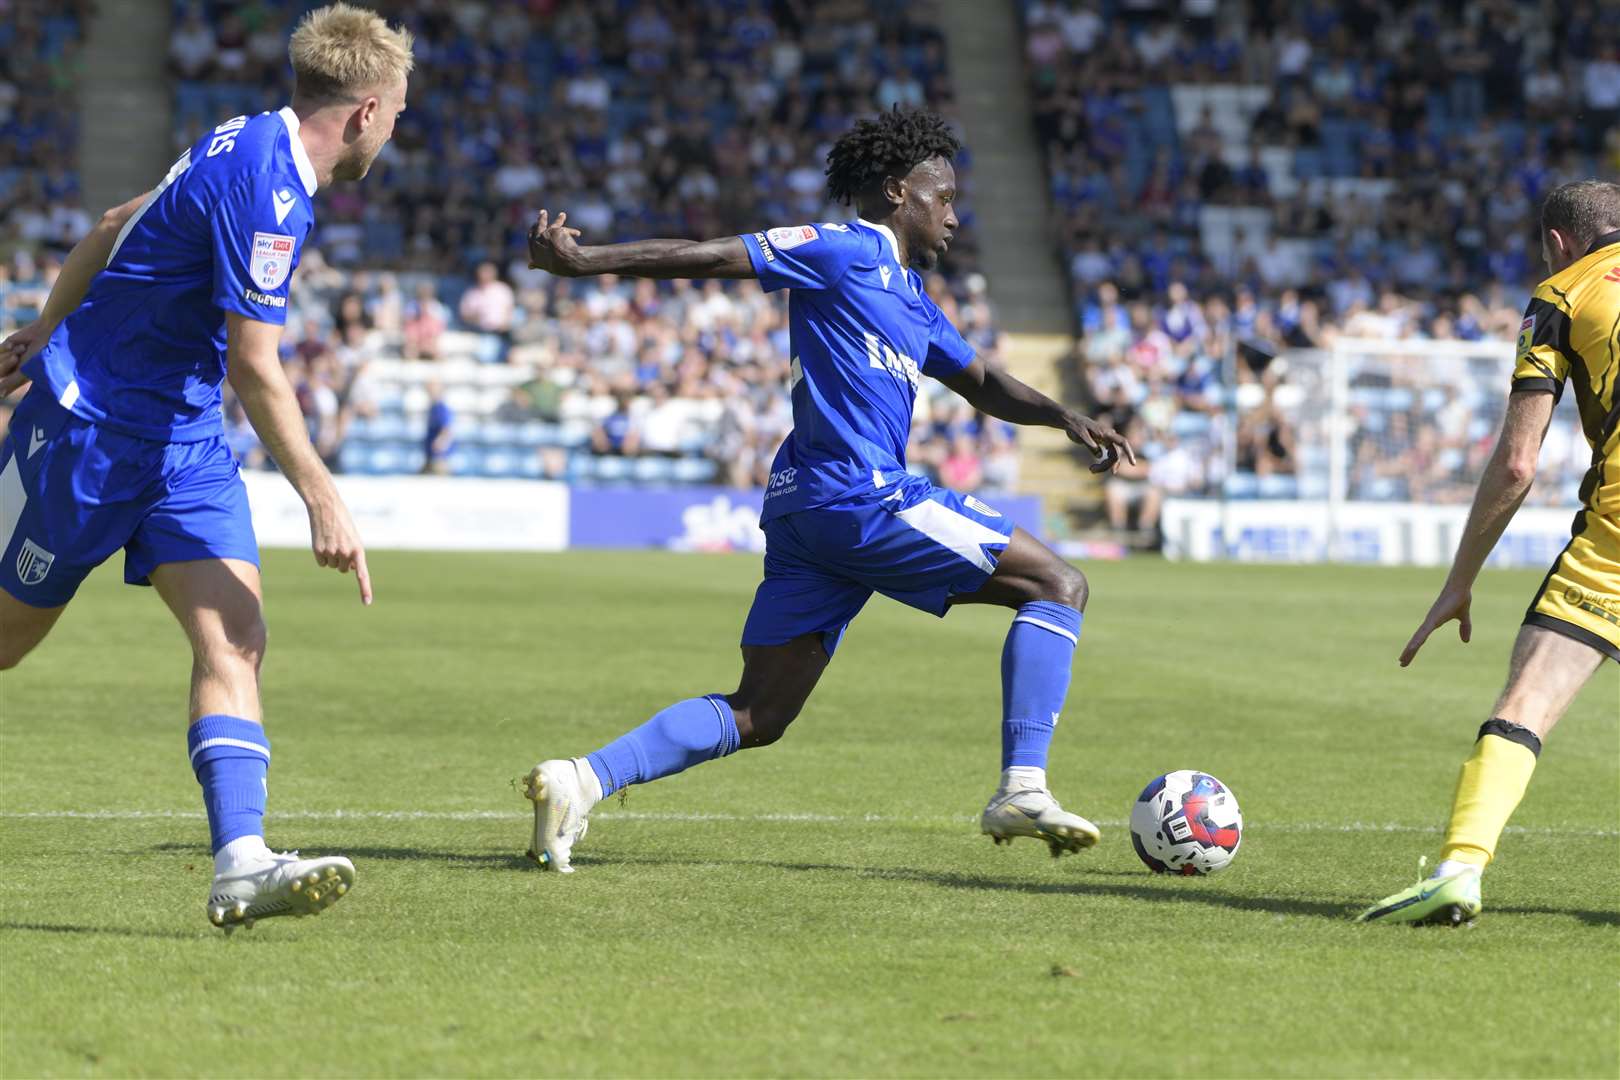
[822, 907]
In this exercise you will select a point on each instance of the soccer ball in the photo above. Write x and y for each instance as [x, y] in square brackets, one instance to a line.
[1186, 822]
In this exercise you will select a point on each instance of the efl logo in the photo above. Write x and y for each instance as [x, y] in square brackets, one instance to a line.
[791, 237]
[33, 563]
[272, 259]
[1613, 274]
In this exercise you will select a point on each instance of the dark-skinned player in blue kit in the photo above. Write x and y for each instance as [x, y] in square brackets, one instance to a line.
[842, 516]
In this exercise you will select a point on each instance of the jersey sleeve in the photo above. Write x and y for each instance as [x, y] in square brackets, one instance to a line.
[259, 227]
[1541, 361]
[948, 352]
[801, 256]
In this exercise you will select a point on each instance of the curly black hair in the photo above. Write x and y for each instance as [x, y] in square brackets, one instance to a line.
[892, 144]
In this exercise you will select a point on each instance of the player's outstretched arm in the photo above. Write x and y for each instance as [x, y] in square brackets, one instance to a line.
[998, 394]
[256, 375]
[83, 263]
[1505, 483]
[552, 249]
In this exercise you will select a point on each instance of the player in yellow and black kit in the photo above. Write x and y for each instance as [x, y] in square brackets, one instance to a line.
[1570, 337]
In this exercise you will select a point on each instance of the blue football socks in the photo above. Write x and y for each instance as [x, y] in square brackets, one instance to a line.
[687, 733]
[231, 758]
[1035, 666]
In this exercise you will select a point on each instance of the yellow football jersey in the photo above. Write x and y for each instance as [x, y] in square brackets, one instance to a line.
[1571, 333]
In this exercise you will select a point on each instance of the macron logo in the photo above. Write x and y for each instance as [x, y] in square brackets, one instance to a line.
[884, 271]
[35, 442]
[284, 203]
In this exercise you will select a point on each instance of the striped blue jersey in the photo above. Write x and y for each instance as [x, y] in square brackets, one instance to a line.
[145, 352]
[863, 332]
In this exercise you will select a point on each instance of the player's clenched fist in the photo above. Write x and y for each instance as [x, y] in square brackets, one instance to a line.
[552, 247]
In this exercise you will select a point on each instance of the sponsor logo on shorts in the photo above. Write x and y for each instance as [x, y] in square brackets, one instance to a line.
[33, 563]
[782, 482]
[981, 507]
[255, 297]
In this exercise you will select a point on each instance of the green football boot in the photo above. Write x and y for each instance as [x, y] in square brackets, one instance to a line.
[1447, 901]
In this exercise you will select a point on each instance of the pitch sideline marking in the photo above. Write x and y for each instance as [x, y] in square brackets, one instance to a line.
[675, 816]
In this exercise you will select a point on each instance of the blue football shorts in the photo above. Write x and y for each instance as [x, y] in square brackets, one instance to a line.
[72, 493]
[921, 546]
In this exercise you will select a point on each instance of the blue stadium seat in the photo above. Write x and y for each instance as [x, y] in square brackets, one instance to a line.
[652, 470]
[1242, 486]
[609, 469]
[695, 470]
[1278, 487]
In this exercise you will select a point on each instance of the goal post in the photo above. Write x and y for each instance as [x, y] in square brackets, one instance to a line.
[1369, 451]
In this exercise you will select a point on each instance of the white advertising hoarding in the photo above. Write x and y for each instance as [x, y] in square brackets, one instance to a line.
[1391, 534]
[422, 512]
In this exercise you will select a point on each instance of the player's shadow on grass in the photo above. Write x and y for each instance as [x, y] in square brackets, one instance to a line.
[456, 860]
[1174, 891]
[113, 931]
[1590, 918]
[1175, 894]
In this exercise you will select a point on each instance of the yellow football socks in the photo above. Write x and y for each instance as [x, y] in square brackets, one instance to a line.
[1489, 787]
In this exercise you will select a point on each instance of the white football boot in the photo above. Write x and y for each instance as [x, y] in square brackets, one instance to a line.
[283, 884]
[1033, 811]
[564, 791]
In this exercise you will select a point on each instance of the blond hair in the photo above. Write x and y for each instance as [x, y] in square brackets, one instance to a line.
[339, 52]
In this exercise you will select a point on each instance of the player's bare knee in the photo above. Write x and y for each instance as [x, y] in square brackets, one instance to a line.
[1067, 585]
[238, 643]
[10, 655]
[761, 724]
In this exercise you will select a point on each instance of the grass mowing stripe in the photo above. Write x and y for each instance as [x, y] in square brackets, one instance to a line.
[807, 819]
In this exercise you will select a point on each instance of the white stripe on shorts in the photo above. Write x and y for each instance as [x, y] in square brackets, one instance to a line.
[1044, 625]
[956, 531]
[13, 496]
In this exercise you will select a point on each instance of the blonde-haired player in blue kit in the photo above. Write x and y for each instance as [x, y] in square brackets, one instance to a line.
[843, 518]
[119, 442]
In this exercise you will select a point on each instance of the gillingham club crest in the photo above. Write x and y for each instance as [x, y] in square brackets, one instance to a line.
[33, 563]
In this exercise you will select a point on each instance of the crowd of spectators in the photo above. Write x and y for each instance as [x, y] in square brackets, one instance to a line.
[642, 117]
[1231, 181]
[637, 117]
[604, 367]
[41, 204]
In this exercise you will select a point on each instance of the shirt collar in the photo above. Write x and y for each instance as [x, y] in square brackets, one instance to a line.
[894, 245]
[1604, 241]
[306, 168]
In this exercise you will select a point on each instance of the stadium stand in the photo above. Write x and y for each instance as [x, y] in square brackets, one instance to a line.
[1228, 185]
[1227, 181]
[41, 204]
[645, 118]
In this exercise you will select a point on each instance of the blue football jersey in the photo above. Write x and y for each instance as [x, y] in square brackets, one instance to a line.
[863, 333]
[145, 352]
